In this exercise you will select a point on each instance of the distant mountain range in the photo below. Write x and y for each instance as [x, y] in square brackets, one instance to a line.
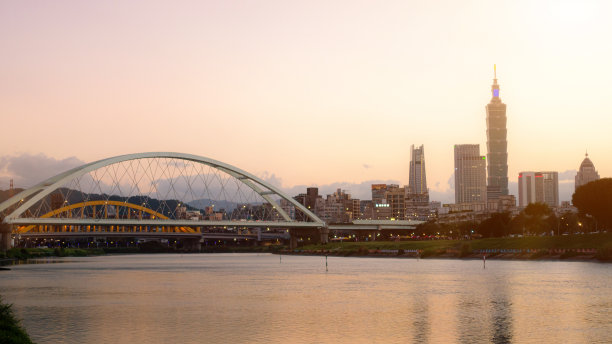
[164, 206]
[205, 202]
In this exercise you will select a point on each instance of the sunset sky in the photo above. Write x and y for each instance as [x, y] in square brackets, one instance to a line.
[326, 93]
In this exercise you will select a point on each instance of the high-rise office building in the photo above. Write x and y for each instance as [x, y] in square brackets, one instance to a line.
[538, 187]
[470, 175]
[417, 182]
[378, 193]
[497, 144]
[396, 198]
[586, 173]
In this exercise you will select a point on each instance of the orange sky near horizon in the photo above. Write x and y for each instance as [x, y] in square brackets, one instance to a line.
[313, 92]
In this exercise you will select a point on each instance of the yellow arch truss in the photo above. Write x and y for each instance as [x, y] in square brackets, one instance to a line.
[154, 214]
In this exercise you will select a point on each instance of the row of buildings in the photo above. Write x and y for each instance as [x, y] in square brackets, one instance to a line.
[411, 202]
[481, 182]
[533, 186]
[388, 201]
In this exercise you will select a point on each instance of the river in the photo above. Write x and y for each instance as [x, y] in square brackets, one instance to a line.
[264, 298]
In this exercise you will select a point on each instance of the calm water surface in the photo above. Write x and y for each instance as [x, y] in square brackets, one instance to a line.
[254, 298]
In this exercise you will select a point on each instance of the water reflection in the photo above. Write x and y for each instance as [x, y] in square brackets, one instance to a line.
[472, 321]
[421, 323]
[254, 299]
[501, 320]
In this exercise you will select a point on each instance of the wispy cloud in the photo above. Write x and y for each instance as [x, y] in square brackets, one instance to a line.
[28, 169]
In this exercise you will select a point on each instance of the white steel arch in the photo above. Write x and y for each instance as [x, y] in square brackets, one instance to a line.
[46, 187]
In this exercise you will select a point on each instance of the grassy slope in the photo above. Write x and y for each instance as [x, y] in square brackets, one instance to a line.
[596, 241]
[21, 253]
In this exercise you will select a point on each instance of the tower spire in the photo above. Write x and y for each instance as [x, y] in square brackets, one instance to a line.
[495, 86]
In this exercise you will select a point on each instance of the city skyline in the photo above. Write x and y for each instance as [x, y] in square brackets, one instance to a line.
[81, 90]
[264, 171]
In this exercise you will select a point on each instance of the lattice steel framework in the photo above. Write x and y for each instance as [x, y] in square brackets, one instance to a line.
[159, 189]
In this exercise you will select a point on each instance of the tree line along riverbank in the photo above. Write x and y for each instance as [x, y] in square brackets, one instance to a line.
[581, 247]
[585, 246]
[17, 254]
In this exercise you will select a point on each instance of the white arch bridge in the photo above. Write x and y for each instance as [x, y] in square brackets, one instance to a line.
[158, 195]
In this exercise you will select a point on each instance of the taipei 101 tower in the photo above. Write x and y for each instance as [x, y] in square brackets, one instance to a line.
[497, 144]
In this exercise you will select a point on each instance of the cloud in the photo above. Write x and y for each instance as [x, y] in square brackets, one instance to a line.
[451, 181]
[27, 170]
[361, 190]
[566, 190]
[272, 179]
[444, 196]
[568, 175]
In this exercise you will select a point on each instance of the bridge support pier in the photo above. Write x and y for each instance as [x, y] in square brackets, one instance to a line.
[5, 236]
[318, 235]
[5, 241]
[192, 245]
[293, 240]
[324, 233]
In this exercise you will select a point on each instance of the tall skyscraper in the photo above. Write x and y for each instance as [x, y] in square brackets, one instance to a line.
[470, 175]
[538, 187]
[586, 173]
[417, 182]
[497, 144]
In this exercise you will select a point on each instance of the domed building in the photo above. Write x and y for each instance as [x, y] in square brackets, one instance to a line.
[586, 173]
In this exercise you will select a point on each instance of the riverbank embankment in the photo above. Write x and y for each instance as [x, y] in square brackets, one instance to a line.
[586, 247]
[14, 255]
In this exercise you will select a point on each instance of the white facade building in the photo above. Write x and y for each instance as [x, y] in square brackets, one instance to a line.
[538, 187]
[586, 173]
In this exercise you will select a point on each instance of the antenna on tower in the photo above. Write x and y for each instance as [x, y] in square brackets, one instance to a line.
[494, 71]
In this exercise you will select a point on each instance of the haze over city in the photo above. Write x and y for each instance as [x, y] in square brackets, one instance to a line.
[305, 94]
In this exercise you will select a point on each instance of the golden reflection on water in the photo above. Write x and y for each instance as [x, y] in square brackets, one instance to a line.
[252, 298]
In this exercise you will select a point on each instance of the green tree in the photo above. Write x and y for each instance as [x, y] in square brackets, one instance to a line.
[428, 228]
[517, 224]
[595, 199]
[568, 222]
[498, 225]
[467, 228]
[537, 218]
